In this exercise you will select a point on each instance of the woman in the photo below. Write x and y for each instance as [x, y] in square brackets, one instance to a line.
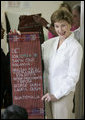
[62, 58]
[40, 20]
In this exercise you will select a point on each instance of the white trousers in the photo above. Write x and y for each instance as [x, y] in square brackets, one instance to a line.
[61, 109]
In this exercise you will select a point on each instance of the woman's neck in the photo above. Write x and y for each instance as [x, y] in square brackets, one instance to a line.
[61, 40]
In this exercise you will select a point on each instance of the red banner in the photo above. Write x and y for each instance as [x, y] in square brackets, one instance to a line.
[26, 73]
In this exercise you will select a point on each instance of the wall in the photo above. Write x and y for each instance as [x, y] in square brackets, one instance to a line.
[72, 3]
[34, 7]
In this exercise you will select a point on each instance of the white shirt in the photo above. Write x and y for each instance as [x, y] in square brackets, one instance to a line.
[62, 65]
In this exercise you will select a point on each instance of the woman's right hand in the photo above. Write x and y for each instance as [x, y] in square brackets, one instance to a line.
[15, 32]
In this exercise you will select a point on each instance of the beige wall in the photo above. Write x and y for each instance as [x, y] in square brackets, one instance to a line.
[34, 7]
[44, 7]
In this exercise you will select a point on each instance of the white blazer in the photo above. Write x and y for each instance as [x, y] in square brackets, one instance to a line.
[61, 66]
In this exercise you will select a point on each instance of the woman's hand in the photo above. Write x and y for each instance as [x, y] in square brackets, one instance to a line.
[15, 32]
[49, 97]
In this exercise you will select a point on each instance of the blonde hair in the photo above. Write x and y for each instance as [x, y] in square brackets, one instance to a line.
[62, 14]
[67, 6]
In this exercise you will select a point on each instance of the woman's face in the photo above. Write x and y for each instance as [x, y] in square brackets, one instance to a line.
[63, 29]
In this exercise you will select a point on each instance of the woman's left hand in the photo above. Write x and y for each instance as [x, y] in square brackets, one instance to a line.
[49, 97]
